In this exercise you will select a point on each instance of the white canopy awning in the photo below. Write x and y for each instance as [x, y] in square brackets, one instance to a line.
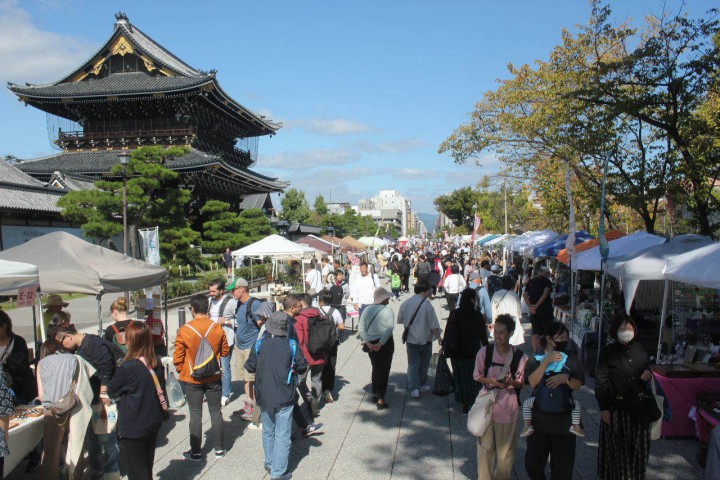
[698, 267]
[648, 264]
[277, 247]
[14, 275]
[542, 237]
[635, 242]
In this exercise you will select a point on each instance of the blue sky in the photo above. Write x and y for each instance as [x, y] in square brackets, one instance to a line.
[367, 90]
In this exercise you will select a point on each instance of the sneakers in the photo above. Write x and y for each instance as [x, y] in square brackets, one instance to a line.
[312, 429]
[415, 393]
[425, 389]
[382, 406]
[224, 401]
[329, 397]
[219, 453]
[529, 430]
[193, 457]
[577, 430]
[285, 476]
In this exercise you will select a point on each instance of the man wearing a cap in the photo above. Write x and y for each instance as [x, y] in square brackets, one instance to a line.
[375, 329]
[537, 298]
[248, 326]
[276, 369]
[54, 304]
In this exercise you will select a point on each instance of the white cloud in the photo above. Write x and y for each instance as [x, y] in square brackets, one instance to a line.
[330, 126]
[28, 53]
[308, 159]
[397, 146]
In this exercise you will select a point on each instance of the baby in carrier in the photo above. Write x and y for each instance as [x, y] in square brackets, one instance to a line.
[558, 400]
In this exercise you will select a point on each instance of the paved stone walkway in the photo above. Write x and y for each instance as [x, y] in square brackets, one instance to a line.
[421, 438]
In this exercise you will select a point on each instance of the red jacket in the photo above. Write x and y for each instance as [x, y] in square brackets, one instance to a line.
[301, 329]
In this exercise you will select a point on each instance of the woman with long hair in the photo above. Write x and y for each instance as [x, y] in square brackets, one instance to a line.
[15, 362]
[142, 404]
[465, 334]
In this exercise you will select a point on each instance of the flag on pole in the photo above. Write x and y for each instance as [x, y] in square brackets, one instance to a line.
[476, 227]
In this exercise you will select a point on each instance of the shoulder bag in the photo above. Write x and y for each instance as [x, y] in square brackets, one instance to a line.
[158, 388]
[481, 412]
[62, 409]
[407, 329]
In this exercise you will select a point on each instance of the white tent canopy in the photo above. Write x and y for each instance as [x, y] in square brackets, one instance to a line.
[698, 267]
[14, 275]
[542, 237]
[648, 264]
[536, 237]
[373, 241]
[277, 247]
[635, 242]
[69, 264]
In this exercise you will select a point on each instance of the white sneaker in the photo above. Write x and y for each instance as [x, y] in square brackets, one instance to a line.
[425, 389]
[224, 401]
[415, 393]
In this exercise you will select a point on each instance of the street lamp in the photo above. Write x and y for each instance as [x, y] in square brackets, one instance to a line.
[124, 158]
[330, 230]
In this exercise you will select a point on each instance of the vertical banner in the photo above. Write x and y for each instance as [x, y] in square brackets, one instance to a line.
[476, 227]
[151, 254]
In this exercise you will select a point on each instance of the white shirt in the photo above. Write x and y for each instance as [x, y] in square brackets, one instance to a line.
[507, 302]
[326, 270]
[227, 314]
[454, 283]
[337, 318]
[314, 279]
[362, 289]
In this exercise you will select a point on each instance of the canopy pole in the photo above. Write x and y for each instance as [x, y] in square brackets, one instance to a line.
[663, 313]
[302, 280]
[165, 298]
[35, 337]
[251, 270]
[601, 315]
[99, 312]
[573, 278]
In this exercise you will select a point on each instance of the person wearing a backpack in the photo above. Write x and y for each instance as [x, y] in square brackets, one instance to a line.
[395, 284]
[552, 436]
[362, 288]
[247, 328]
[453, 285]
[421, 324]
[103, 451]
[198, 347]
[496, 448]
[115, 333]
[276, 362]
[305, 325]
[465, 334]
[325, 298]
[339, 290]
[221, 309]
[405, 272]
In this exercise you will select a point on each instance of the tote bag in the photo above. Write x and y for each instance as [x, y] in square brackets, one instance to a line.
[481, 412]
[656, 426]
[104, 418]
[443, 385]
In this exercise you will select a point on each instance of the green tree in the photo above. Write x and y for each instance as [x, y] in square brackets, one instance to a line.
[320, 206]
[458, 206]
[295, 207]
[221, 228]
[153, 199]
[254, 226]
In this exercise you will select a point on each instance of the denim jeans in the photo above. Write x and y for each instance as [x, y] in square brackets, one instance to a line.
[103, 451]
[418, 364]
[195, 393]
[225, 363]
[276, 433]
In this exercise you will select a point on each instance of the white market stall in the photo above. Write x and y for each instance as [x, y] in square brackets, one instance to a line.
[277, 248]
[69, 264]
[590, 259]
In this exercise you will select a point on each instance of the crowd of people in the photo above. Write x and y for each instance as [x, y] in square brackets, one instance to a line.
[106, 396]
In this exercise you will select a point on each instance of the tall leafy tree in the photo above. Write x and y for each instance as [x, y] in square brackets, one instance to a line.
[295, 207]
[153, 199]
[320, 206]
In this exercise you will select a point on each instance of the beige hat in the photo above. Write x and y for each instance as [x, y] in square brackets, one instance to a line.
[381, 295]
[55, 301]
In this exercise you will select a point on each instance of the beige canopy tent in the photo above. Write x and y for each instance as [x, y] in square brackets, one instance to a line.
[69, 264]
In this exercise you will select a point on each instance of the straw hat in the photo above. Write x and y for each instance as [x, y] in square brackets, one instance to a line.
[56, 301]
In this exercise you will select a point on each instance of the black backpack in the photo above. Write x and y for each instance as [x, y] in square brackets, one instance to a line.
[322, 334]
[337, 293]
[517, 355]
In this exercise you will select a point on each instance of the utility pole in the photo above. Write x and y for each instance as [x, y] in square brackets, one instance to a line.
[506, 215]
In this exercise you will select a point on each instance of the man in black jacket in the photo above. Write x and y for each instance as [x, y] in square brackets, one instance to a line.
[405, 272]
[276, 361]
[103, 451]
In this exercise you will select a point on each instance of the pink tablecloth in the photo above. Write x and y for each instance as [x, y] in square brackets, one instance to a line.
[705, 424]
[681, 394]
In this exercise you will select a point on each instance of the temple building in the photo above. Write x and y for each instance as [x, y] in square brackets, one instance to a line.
[133, 92]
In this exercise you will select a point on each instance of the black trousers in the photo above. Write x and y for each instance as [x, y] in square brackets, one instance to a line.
[137, 456]
[381, 362]
[451, 299]
[212, 392]
[405, 278]
[560, 448]
[328, 373]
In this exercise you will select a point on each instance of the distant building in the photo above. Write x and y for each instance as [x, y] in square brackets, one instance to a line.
[337, 208]
[389, 207]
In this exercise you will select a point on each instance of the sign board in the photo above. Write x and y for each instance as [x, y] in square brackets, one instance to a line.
[26, 296]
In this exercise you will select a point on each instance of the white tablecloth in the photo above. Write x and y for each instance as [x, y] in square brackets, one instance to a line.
[21, 440]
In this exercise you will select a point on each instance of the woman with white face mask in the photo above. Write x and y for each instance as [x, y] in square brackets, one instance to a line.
[624, 447]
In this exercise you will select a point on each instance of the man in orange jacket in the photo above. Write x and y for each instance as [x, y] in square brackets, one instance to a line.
[208, 384]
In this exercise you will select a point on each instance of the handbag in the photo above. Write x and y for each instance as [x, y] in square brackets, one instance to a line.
[158, 388]
[443, 385]
[104, 418]
[481, 412]
[656, 426]
[644, 405]
[61, 409]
